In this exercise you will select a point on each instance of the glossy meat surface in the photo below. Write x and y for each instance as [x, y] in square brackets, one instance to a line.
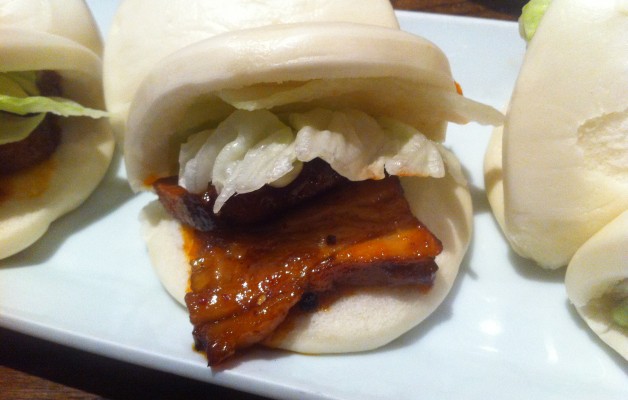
[196, 210]
[245, 280]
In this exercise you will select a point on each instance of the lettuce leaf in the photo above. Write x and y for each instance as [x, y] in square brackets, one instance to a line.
[531, 15]
[14, 128]
[54, 105]
[22, 109]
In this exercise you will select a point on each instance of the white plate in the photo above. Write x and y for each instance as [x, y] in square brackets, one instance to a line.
[505, 331]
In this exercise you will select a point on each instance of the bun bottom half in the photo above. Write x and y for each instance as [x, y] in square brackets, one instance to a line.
[38, 196]
[361, 319]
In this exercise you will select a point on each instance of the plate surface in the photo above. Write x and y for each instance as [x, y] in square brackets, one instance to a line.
[505, 331]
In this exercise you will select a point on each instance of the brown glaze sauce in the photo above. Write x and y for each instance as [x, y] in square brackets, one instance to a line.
[245, 281]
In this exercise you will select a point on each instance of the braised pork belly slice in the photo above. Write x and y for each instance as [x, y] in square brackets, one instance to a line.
[196, 210]
[34, 149]
[43, 141]
[245, 281]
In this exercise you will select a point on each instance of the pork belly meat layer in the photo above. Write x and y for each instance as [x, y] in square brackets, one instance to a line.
[246, 279]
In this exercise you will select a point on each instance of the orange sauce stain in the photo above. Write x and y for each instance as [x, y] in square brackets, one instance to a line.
[458, 88]
[150, 180]
[190, 246]
[27, 184]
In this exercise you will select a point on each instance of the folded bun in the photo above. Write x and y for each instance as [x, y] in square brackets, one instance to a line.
[387, 73]
[145, 31]
[597, 282]
[61, 36]
[270, 74]
[564, 146]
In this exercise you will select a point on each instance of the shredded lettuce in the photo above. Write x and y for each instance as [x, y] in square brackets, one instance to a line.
[22, 108]
[361, 147]
[531, 15]
[245, 152]
[253, 148]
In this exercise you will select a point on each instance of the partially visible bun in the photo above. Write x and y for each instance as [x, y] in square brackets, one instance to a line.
[59, 36]
[597, 280]
[564, 146]
[361, 319]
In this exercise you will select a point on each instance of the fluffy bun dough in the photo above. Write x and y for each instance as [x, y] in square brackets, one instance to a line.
[34, 41]
[145, 31]
[596, 268]
[494, 177]
[70, 19]
[362, 319]
[565, 138]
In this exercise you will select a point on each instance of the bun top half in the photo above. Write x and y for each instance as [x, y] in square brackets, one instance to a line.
[145, 31]
[67, 19]
[54, 35]
[381, 71]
